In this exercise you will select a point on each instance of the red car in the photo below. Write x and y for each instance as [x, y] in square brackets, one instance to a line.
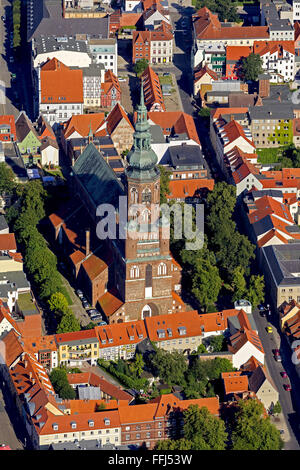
[284, 374]
[287, 387]
[276, 352]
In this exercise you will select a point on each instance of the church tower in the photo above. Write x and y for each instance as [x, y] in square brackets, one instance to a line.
[144, 275]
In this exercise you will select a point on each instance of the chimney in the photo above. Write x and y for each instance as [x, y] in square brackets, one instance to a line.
[87, 242]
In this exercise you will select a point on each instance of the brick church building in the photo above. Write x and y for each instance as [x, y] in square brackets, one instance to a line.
[141, 277]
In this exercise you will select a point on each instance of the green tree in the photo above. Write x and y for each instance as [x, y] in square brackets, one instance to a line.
[256, 289]
[58, 304]
[251, 67]
[276, 409]
[207, 432]
[59, 380]
[137, 366]
[206, 284]
[217, 343]
[7, 179]
[201, 349]
[178, 444]
[170, 367]
[239, 284]
[164, 184]
[251, 430]
[68, 323]
[140, 66]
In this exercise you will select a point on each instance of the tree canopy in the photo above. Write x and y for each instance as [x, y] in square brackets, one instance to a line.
[140, 66]
[59, 380]
[251, 67]
[7, 179]
[252, 430]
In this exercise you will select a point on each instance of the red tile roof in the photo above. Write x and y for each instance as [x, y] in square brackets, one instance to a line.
[235, 53]
[109, 303]
[13, 347]
[110, 81]
[82, 123]
[94, 266]
[121, 333]
[178, 121]
[181, 189]
[234, 382]
[7, 242]
[152, 90]
[54, 76]
[207, 26]
[180, 325]
[115, 117]
[8, 120]
[205, 70]
[265, 47]
[94, 380]
[82, 335]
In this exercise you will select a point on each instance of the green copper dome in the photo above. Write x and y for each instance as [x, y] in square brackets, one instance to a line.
[142, 159]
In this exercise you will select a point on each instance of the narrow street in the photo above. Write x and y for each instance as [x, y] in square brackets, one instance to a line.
[290, 401]
[7, 432]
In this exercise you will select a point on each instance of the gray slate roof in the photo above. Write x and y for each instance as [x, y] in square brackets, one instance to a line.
[97, 177]
[46, 18]
[279, 261]
[45, 43]
[3, 223]
[186, 156]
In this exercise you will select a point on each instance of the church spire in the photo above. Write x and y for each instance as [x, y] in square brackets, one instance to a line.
[141, 158]
[90, 135]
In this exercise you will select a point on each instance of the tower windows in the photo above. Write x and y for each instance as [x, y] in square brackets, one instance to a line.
[134, 196]
[146, 216]
[134, 272]
[146, 195]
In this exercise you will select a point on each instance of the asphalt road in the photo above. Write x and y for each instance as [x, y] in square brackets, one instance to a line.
[6, 106]
[7, 433]
[290, 401]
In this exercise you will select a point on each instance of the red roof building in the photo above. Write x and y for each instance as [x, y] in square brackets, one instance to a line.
[7, 128]
[153, 96]
[110, 90]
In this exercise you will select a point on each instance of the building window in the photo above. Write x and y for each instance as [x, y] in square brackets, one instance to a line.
[162, 269]
[134, 272]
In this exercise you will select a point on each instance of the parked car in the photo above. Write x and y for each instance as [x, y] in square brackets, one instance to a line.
[2, 18]
[287, 387]
[79, 293]
[85, 303]
[102, 323]
[276, 352]
[278, 358]
[281, 431]
[11, 59]
[166, 74]
[269, 329]
[261, 307]
[284, 374]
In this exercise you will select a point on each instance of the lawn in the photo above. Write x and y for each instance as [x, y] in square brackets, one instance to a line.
[267, 155]
[165, 79]
[63, 289]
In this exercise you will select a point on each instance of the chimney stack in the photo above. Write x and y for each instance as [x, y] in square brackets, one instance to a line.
[87, 242]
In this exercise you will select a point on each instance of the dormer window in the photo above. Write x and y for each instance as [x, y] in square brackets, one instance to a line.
[73, 425]
[182, 330]
[161, 333]
[91, 424]
[106, 421]
[110, 340]
[55, 426]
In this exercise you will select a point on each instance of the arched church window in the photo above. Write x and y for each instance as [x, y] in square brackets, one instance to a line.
[162, 269]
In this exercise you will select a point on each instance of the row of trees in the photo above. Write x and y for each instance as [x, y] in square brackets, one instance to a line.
[40, 262]
[248, 429]
[289, 156]
[16, 9]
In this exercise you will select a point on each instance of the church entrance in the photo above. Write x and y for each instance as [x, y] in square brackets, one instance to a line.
[149, 310]
[148, 282]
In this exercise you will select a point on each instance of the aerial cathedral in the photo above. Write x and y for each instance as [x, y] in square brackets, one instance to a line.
[141, 278]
